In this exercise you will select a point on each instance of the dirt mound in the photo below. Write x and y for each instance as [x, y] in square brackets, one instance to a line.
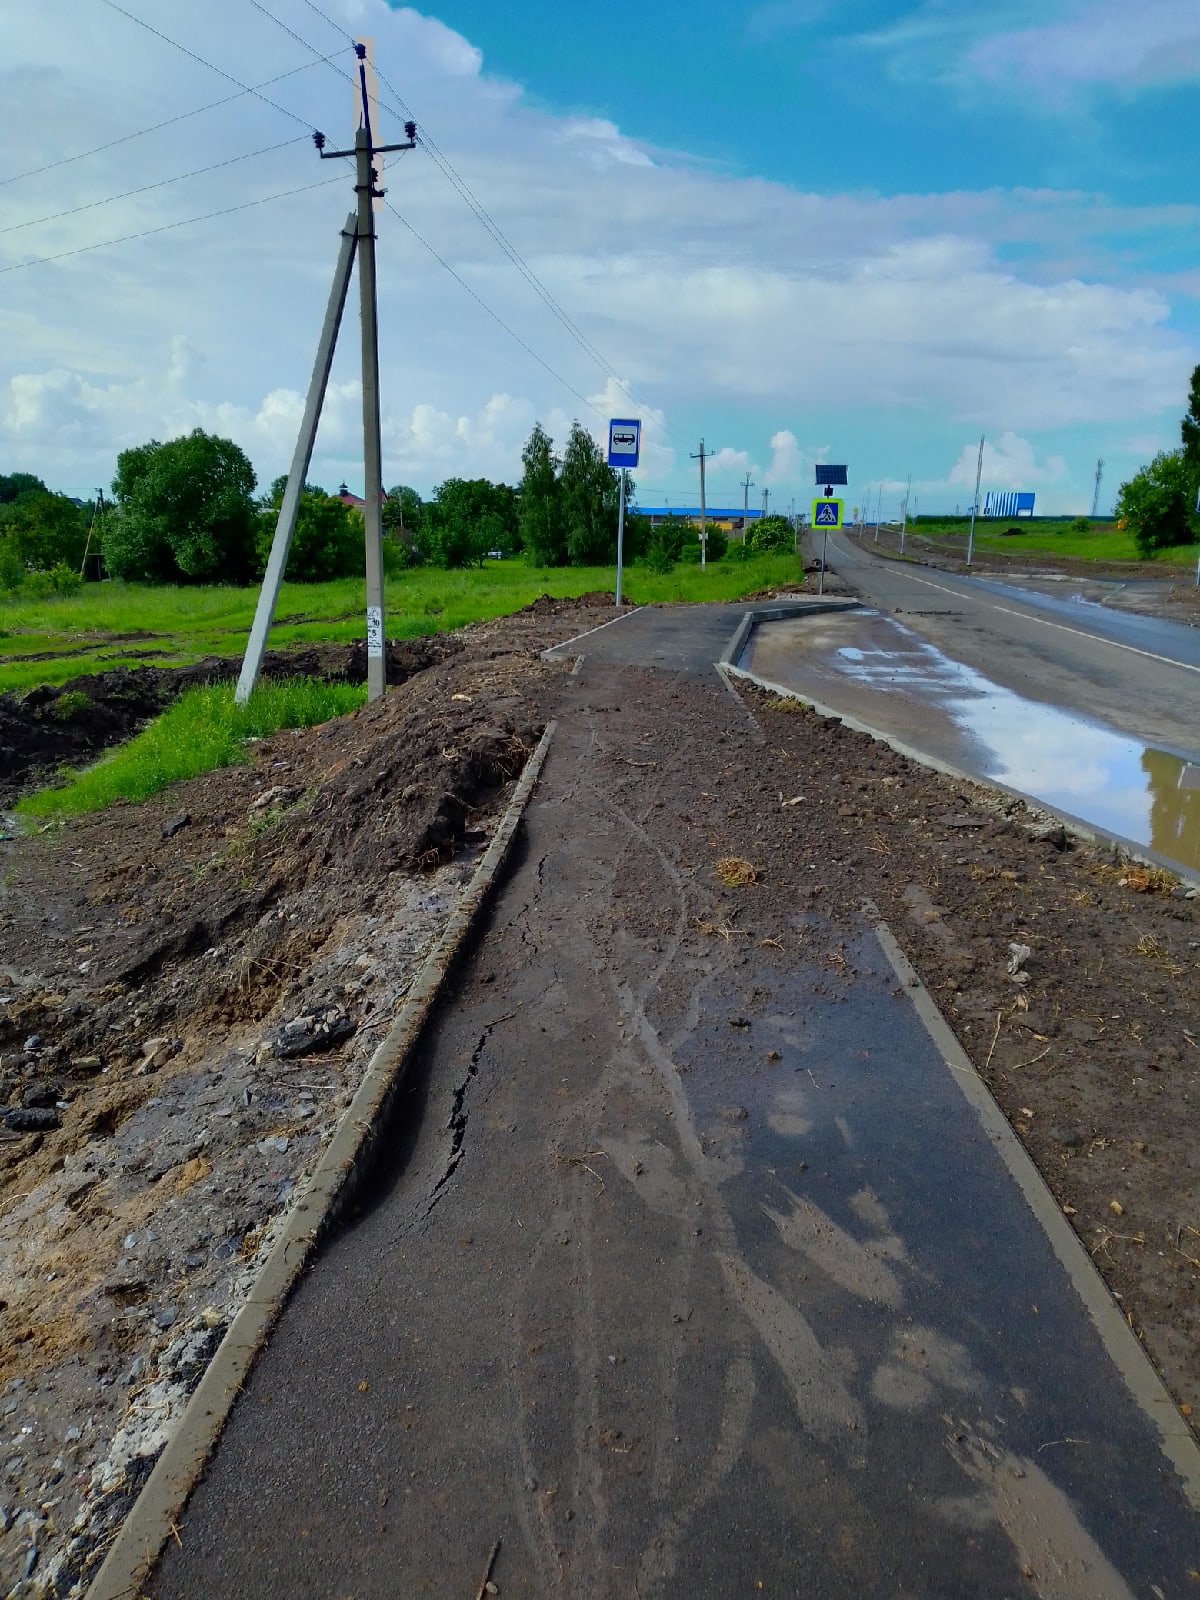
[322, 817]
[547, 605]
[49, 727]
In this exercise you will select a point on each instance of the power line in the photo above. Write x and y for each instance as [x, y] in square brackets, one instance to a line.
[191, 54]
[166, 227]
[162, 183]
[489, 223]
[495, 315]
[65, 161]
[482, 215]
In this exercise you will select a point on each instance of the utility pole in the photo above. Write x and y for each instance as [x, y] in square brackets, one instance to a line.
[1096, 494]
[97, 513]
[746, 482]
[766, 500]
[904, 514]
[358, 238]
[975, 504]
[703, 512]
[878, 512]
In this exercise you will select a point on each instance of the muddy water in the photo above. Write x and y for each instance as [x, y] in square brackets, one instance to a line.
[875, 668]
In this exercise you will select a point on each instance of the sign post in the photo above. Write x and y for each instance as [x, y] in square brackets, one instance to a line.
[826, 514]
[624, 448]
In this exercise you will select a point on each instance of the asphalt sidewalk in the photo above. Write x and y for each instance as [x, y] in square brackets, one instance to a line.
[691, 1268]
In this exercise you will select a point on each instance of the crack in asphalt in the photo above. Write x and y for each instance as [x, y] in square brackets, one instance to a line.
[457, 1121]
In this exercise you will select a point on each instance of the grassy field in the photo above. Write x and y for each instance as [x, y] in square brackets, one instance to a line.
[112, 624]
[203, 730]
[1106, 542]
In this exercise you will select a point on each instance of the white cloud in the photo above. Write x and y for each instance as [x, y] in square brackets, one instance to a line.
[1101, 42]
[726, 460]
[1009, 462]
[697, 286]
[1089, 42]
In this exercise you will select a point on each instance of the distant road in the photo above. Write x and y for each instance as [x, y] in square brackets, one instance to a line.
[1139, 674]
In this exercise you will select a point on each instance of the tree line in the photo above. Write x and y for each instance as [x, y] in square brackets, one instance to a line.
[187, 511]
[1158, 504]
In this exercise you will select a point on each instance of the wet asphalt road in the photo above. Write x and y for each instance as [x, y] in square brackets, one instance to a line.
[689, 1270]
[1139, 674]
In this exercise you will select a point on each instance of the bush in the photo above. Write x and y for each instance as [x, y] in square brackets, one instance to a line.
[771, 534]
[1081, 525]
[12, 568]
[327, 541]
[1156, 503]
[662, 549]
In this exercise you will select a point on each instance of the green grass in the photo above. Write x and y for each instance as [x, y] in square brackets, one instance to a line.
[83, 632]
[203, 730]
[1106, 542]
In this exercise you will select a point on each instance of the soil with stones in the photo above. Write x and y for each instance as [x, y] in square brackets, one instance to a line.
[191, 988]
[1145, 586]
[189, 991]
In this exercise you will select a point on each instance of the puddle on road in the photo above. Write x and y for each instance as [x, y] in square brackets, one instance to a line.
[1083, 767]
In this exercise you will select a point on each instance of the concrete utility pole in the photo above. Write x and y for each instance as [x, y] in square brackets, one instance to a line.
[97, 513]
[700, 457]
[285, 523]
[904, 514]
[766, 500]
[1096, 494]
[358, 238]
[746, 483]
[878, 512]
[975, 504]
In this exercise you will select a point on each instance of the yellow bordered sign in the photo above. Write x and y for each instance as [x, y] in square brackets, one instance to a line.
[827, 513]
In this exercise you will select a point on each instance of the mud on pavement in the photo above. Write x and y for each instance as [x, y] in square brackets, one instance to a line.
[189, 992]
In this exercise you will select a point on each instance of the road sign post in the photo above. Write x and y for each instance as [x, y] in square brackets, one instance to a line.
[624, 448]
[826, 514]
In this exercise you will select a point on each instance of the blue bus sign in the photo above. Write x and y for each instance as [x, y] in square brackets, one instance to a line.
[624, 441]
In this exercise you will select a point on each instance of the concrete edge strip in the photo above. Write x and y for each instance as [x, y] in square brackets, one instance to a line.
[166, 1491]
[779, 613]
[737, 642]
[1086, 833]
[1118, 1338]
[552, 653]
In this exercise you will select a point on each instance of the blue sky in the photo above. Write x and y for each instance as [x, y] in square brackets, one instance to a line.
[887, 99]
[860, 231]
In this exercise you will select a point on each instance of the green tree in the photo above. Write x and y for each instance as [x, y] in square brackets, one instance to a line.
[402, 512]
[327, 541]
[47, 530]
[1156, 503]
[1190, 426]
[467, 518]
[15, 484]
[185, 512]
[589, 489]
[540, 526]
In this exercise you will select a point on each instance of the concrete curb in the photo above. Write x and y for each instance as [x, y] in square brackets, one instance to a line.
[783, 612]
[1085, 832]
[1118, 1338]
[159, 1506]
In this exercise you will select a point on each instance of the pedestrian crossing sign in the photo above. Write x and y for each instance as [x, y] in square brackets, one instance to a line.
[827, 513]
